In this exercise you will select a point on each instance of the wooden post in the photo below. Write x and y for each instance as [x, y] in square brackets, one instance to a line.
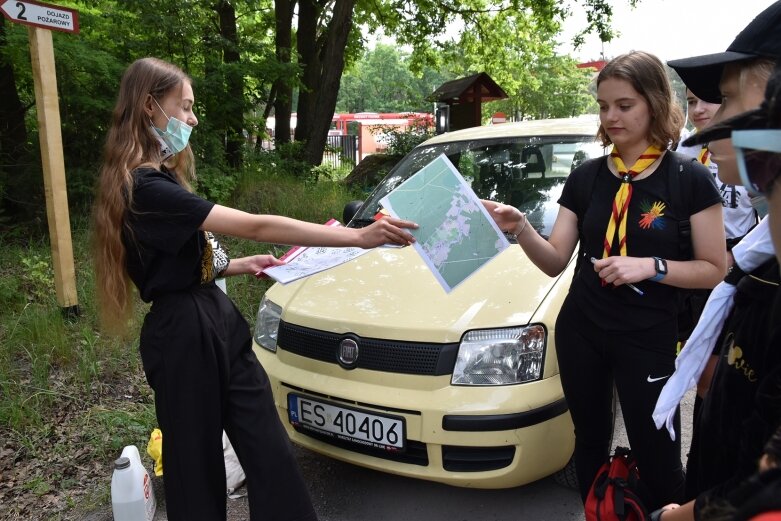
[478, 89]
[47, 105]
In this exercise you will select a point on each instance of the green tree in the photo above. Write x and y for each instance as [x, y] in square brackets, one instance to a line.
[381, 81]
[14, 144]
[323, 63]
[247, 58]
[518, 51]
[419, 24]
[225, 45]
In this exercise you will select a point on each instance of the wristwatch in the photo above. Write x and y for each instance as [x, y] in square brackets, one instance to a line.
[661, 269]
[656, 515]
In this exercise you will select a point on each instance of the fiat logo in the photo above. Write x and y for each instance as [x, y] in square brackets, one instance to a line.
[348, 353]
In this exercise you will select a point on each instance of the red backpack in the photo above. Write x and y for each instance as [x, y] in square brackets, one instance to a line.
[613, 495]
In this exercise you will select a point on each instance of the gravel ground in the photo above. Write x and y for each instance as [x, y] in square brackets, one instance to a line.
[333, 489]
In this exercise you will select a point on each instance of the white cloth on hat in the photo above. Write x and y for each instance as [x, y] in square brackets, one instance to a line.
[751, 252]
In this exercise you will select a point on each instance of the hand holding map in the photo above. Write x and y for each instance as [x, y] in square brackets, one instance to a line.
[304, 261]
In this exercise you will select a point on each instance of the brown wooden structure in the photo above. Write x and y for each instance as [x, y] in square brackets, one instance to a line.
[464, 97]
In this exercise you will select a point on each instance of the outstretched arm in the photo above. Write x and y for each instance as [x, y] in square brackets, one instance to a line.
[284, 230]
[551, 255]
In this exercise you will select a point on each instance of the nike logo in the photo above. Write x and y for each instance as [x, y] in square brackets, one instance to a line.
[652, 380]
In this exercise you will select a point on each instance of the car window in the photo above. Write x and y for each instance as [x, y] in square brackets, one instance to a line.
[528, 173]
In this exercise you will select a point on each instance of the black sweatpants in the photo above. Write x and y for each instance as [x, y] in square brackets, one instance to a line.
[639, 362]
[197, 355]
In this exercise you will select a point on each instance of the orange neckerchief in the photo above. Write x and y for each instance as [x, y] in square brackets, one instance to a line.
[624, 195]
[704, 155]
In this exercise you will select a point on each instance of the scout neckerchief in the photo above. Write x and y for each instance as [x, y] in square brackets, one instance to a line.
[704, 155]
[624, 195]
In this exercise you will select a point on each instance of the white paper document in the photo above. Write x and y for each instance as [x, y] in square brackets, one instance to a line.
[301, 261]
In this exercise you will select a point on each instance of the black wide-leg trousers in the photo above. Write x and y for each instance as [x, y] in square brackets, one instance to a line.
[197, 355]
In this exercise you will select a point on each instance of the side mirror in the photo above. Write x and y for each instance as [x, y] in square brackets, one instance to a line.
[350, 209]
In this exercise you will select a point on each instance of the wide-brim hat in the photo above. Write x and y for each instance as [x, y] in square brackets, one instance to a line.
[761, 38]
[767, 115]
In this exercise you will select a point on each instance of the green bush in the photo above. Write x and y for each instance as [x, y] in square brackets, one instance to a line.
[215, 185]
[402, 141]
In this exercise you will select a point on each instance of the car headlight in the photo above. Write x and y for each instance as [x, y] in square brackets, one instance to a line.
[500, 356]
[267, 324]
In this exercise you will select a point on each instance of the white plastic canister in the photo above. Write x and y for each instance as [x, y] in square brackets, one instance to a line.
[132, 497]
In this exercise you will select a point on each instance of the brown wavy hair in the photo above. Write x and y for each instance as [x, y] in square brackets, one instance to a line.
[647, 75]
[130, 143]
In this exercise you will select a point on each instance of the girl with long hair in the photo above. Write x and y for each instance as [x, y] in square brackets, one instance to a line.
[152, 232]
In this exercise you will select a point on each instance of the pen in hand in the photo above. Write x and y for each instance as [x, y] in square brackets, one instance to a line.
[628, 284]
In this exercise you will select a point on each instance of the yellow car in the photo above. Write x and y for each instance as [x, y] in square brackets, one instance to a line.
[373, 363]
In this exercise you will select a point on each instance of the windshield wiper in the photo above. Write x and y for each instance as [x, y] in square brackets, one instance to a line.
[360, 223]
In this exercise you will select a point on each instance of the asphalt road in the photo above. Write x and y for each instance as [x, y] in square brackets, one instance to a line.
[343, 492]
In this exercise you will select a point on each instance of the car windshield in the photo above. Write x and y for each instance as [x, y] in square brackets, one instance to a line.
[526, 172]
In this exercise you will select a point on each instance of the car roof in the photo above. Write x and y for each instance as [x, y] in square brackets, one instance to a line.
[582, 125]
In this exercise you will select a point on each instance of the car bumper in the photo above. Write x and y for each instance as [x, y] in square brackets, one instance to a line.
[481, 437]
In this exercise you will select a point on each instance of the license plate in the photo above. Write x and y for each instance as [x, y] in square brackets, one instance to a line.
[346, 423]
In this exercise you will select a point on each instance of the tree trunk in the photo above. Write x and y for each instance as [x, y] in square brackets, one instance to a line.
[283, 16]
[309, 58]
[13, 132]
[234, 85]
[331, 75]
[272, 96]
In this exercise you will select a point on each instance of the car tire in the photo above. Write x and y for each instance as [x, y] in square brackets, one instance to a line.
[568, 477]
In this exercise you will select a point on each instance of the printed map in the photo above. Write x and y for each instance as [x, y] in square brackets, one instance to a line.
[456, 236]
[312, 260]
[301, 262]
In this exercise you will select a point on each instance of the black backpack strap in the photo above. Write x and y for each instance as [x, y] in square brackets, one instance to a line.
[589, 169]
[619, 506]
[680, 194]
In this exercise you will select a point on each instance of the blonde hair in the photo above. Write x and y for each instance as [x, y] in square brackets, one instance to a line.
[647, 75]
[757, 70]
[130, 143]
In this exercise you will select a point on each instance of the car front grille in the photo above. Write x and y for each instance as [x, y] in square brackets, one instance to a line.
[374, 354]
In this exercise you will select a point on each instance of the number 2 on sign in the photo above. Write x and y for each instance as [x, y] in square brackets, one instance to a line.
[22, 8]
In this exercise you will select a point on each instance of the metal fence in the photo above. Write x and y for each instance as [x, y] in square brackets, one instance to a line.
[341, 151]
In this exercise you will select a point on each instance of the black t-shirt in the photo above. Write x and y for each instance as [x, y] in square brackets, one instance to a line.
[166, 252]
[651, 231]
[743, 406]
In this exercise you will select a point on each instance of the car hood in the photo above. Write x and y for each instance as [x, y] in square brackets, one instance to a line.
[391, 293]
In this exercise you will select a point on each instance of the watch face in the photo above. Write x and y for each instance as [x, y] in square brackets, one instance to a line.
[661, 266]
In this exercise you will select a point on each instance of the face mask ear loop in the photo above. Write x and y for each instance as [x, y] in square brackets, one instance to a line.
[161, 108]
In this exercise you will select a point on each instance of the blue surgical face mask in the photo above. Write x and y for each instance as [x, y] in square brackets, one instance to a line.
[176, 133]
[759, 203]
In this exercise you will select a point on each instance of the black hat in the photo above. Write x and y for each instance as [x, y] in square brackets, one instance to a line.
[760, 39]
[768, 115]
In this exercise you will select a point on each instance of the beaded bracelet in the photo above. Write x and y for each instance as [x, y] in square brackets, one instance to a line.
[523, 227]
